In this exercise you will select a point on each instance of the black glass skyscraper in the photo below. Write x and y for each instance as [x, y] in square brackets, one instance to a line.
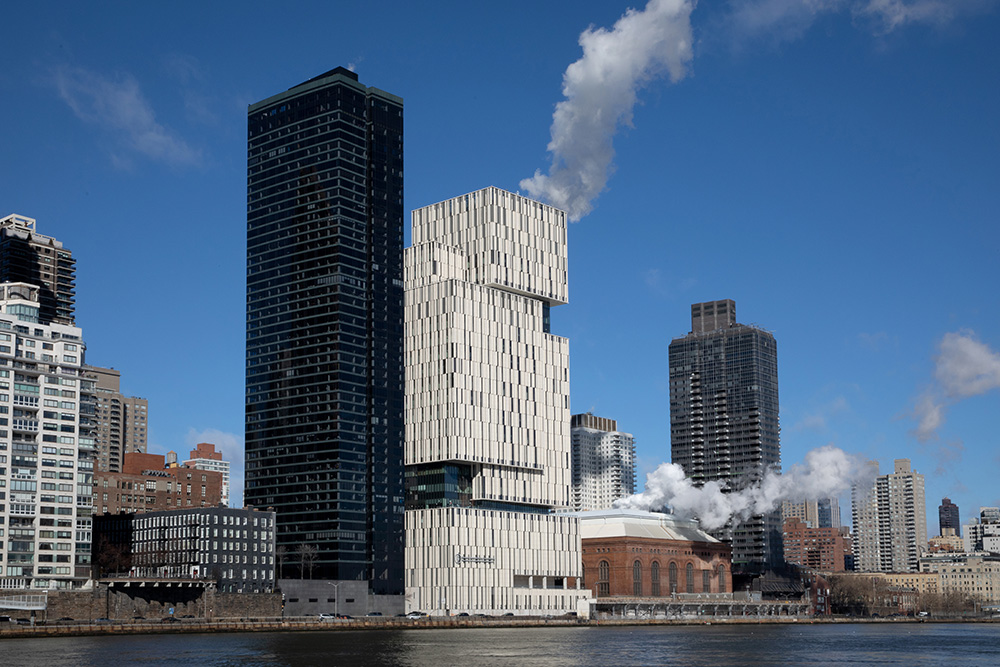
[324, 373]
[724, 418]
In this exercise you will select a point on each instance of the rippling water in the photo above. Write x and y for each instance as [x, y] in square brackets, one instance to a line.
[956, 645]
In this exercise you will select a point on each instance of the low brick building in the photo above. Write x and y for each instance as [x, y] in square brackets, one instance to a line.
[646, 554]
[146, 485]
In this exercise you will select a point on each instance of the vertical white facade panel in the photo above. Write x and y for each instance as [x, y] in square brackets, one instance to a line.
[480, 278]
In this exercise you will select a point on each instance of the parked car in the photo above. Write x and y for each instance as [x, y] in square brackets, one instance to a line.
[416, 614]
[327, 617]
[169, 619]
[7, 619]
[374, 613]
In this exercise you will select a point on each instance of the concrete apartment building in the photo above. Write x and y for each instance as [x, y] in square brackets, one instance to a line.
[146, 485]
[890, 521]
[122, 421]
[603, 462]
[204, 457]
[975, 575]
[46, 445]
[487, 410]
[724, 418]
[984, 534]
[822, 513]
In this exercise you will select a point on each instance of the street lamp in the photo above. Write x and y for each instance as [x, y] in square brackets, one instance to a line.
[336, 597]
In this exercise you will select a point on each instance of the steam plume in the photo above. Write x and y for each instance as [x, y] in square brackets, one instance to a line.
[600, 90]
[826, 472]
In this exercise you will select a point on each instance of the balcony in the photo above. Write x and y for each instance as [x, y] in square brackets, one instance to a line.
[24, 425]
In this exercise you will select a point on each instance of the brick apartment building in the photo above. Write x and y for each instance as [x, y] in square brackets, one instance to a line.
[824, 549]
[145, 485]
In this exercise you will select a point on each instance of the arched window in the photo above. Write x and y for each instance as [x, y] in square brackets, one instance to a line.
[637, 578]
[673, 577]
[706, 581]
[722, 579]
[654, 578]
[690, 578]
[603, 574]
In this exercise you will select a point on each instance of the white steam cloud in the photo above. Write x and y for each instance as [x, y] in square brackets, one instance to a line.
[826, 472]
[600, 90]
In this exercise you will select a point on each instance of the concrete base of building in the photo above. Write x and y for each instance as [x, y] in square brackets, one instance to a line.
[311, 597]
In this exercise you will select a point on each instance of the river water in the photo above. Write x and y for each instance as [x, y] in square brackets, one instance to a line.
[955, 645]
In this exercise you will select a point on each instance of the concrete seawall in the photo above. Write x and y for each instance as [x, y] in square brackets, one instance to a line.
[67, 629]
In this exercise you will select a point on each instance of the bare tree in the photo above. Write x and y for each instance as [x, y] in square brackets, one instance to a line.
[307, 559]
[280, 553]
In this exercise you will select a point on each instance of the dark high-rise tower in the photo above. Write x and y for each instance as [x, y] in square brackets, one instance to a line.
[29, 257]
[724, 417]
[324, 401]
[949, 517]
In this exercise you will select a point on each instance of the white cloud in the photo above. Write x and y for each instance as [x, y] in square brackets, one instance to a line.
[601, 90]
[964, 367]
[929, 414]
[231, 446]
[118, 106]
[785, 20]
[818, 419]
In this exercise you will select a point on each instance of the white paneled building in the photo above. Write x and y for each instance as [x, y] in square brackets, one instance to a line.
[603, 462]
[46, 448]
[487, 410]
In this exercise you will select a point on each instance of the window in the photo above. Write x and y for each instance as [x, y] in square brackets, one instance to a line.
[690, 578]
[722, 579]
[673, 577]
[603, 574]
[654, 578]
[637, 578]
[706, 581]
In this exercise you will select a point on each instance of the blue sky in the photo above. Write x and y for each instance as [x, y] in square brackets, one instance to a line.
[832, 165]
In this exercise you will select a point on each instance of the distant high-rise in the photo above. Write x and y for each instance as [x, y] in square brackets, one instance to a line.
[204, 457]
[724, 418]
[822, 513]
[29, 257]
[324, 365]
[949, 517]
[603, 462]
[890, 521]
[122, 421]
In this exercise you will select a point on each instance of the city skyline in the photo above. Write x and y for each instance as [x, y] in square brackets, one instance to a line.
[833, 173]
